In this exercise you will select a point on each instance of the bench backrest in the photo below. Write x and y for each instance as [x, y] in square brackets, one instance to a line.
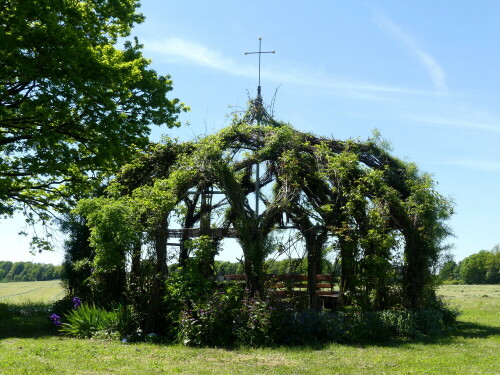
[293, 284]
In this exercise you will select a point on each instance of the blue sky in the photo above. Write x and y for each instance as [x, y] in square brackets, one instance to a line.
[425, 74]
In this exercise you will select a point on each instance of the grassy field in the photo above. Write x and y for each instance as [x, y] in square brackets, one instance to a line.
[34, 291]
[29, 346]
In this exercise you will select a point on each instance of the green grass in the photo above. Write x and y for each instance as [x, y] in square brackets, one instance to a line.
[472, 349]
[34, 291]
[480, 304]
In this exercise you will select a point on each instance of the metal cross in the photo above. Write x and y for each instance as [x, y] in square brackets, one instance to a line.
[259, 100]
[259, 53]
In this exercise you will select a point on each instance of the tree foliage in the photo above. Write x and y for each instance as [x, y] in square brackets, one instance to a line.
[73, 107]
[482, 267]
[78, 257]
[28, 271]
[450, 271]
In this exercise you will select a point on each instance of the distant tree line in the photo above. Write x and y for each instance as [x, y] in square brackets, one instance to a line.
[479, 268]
[28, 271]
[294, 266]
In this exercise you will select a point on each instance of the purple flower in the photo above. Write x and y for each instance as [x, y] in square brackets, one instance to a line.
[76, 302]
[56, 319]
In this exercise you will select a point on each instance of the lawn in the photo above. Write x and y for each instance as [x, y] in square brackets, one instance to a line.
[34, 291]
[32, 348]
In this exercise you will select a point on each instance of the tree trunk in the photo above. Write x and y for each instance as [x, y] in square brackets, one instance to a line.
[135, 262]
[135, 283]
[315, 239]
[189, 221]
[255, 277]
[253, 251]
[347, 271]
[154, 319]
[207, 263]
[160, 241]
[414, 272]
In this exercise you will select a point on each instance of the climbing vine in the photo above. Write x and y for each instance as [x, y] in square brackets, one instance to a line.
[383, 216]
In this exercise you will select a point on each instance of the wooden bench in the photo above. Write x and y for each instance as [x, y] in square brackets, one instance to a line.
[297, 285]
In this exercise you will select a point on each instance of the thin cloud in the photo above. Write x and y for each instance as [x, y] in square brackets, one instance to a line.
[464, 124]
[483, 165]
[358, 88]
[435, 71]
[176, 49]
[198, 54]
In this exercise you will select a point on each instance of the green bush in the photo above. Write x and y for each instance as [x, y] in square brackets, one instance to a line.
[430, 321]
[88, 321]
[183, 288]
[63, 306]
[435, 319]
[309, 328]
[128, 322]
[256, 322]
[228, 320]
[210, 323]
[400, 323]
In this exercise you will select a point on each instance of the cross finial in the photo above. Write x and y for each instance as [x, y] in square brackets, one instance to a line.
[259, 97]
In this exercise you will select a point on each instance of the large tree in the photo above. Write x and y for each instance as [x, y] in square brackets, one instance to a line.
[73, 106]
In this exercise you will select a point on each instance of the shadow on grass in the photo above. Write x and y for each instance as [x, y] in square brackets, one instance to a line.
[474, 331]
[40, 327]
[36, 324]
[26, 327]
[464, 330]
[25, 320]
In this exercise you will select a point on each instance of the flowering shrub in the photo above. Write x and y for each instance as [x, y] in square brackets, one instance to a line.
[227, 320]
[63, 306]
[183, 287]
[86, 321]
[254, 323]
[76, 302]
[229, 317]
[210, 323]
[258, 322]
[56, 320]
[262, 322]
